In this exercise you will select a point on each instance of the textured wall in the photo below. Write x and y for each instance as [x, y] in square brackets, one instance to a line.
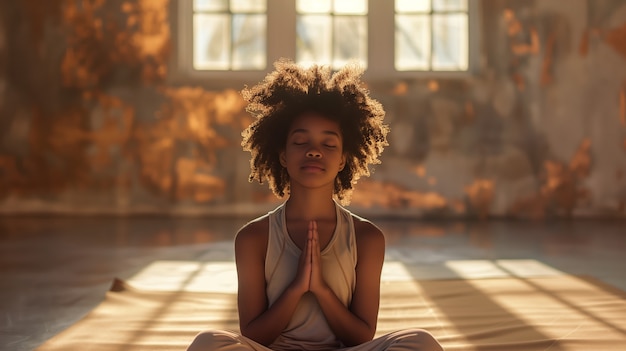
[90, 124]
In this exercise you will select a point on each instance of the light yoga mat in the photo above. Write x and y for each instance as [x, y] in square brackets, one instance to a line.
[483, 312]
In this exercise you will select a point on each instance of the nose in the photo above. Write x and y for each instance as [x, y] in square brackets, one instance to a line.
[314, 153]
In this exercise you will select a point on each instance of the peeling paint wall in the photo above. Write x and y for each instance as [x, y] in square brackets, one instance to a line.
[90, 124]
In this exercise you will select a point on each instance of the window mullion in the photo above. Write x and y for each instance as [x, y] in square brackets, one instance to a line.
[333, 33]
[231, 46]
[432, 35]
[281, 30]
[185, 36]
[473, 37]
[380, 38]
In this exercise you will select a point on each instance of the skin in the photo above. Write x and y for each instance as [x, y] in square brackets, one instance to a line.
[313, 156]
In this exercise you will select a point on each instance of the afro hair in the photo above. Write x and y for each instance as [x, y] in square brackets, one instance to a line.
[291, 90]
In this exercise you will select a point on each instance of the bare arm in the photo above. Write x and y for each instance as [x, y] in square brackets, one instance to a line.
[356, 324]
[256, 320]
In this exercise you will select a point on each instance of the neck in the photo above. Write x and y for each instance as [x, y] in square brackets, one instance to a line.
[310, 206]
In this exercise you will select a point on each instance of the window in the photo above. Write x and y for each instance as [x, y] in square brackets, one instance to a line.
[238, 40]
[331, 32]
[431, 35]
[229, 34]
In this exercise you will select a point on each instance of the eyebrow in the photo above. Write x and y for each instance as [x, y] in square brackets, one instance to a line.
[327, 132]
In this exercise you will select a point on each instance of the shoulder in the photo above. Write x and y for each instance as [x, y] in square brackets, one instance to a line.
[253, 234]
[370, 245]
[367, 233]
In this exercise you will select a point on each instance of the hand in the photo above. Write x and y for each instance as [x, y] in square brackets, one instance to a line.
[309, 276]
[317, 282]
[303, 276]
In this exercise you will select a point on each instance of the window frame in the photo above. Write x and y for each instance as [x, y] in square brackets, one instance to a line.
[281, 43]
[381, 45]
[335, 18]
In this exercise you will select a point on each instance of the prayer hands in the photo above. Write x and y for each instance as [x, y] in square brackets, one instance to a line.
[310, 276]
[313, 246]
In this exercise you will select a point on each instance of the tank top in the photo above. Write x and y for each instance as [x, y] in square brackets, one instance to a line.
[308, 329]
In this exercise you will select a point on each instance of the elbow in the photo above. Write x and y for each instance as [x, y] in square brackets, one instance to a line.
[356, 342]
[368, 336]
[360, 339]
[257, 337]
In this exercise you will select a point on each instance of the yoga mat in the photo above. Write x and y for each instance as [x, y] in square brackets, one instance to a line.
[558, 312]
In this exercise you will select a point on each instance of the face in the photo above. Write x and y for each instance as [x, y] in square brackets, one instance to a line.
[313, 153]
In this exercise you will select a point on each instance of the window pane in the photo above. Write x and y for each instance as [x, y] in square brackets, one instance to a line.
[450, 42]
[211, 45]
[412, 40]
[331, 37]
[249, 42]
[314, 40]
[412, 5]
[350, 40]
[210, 5]
[314, 6]
[353, 7]
[247, 6]
[450, 5]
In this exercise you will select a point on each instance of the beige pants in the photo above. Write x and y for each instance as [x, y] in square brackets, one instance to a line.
[403, 340]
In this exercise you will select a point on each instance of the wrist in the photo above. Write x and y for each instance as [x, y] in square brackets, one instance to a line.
[296, 289]
[322, 291]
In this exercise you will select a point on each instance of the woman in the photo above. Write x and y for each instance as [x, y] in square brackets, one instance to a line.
[309, 271]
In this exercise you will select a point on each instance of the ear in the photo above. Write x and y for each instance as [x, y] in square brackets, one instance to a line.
[283, 160]
[343, 162]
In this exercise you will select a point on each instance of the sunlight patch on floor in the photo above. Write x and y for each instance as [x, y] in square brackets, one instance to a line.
[193, 276]
[221, 276]
[480, 269]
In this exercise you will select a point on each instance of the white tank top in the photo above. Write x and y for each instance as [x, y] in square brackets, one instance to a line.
[308, 329]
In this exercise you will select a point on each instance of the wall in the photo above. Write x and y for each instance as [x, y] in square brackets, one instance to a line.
[91, 123]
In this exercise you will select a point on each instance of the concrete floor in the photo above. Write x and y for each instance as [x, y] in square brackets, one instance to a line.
[56, 269]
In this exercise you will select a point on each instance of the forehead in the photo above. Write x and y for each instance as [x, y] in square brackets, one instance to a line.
[314, 122]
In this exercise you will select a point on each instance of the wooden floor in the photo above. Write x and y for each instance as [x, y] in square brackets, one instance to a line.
[56, 269]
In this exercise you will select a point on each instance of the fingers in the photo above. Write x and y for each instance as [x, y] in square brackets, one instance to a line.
[307, 252]
[317, 283]
[302, 281]
[311, 261]
[313, 238]
[312, 230]
[315, 243]
[305, 269]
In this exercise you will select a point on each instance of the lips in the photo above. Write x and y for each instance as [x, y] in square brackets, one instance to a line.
[312, 166]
